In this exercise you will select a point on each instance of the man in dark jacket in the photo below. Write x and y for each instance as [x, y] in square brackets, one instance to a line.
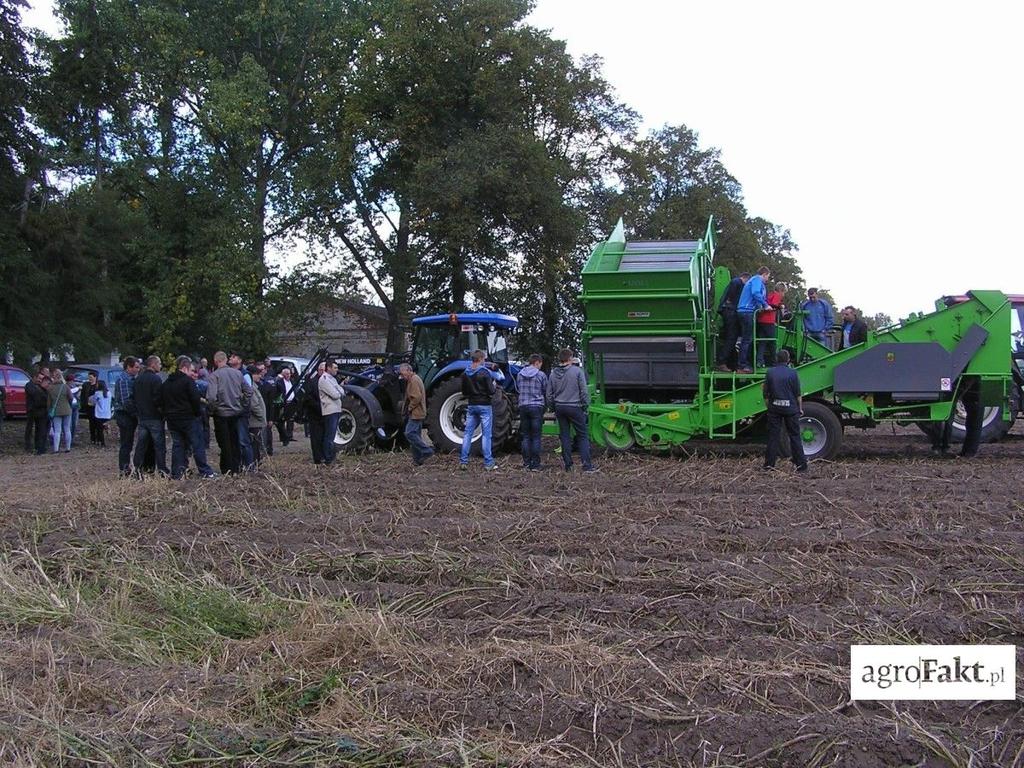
[182, 408]
[268, 391]
[785, 406]
[285, 392]
[730, 322]
[314, 415]
[149, 405]
[855, 330]
[88, 390]
[479, 389]
[37, 414]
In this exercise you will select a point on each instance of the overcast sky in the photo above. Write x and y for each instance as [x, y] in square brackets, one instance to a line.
[888, 136]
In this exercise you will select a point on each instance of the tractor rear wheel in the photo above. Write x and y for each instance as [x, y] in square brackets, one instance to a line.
[502, 428]
[513, 438]
[446, 418]
[355, 428]
[993, 428]
[820, 431]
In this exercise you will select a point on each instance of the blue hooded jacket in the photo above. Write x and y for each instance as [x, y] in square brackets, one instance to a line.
[754, 296]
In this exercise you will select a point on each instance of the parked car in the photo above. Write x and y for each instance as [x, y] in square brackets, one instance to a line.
[13, 380]
[297, 364]
[79, 373]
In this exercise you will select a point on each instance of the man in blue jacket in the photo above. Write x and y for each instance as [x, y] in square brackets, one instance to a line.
[753, 299]
[817, 317]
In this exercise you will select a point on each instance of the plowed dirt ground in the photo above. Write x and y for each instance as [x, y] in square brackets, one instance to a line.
[665, 612]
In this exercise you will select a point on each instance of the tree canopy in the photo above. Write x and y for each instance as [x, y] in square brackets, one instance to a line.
[179, 175]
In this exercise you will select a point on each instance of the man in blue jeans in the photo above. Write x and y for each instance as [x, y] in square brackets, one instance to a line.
[182, 407]
[331, 396]
[149, 405]
[125, 413]
[479, 389]
[415, 409]
[753, 299]
[532, 384]
[567, 389]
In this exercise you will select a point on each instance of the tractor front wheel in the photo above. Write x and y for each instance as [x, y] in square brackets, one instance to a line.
[446, 418]
[355, 428]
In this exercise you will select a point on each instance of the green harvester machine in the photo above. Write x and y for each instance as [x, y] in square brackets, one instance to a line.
[649, 344]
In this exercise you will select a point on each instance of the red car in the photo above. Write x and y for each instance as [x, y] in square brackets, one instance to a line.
[13, 380]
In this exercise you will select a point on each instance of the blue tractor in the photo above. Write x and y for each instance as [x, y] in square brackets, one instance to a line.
[441, 348]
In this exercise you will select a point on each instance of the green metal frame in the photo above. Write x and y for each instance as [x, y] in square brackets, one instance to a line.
[674, 302]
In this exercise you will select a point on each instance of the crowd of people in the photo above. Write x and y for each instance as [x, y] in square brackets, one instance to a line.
[751, 314]
[564, 391]
[245, 404]
[53, 405]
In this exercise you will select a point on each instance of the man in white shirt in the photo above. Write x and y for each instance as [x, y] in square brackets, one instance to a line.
[331, 394]
[285, 394]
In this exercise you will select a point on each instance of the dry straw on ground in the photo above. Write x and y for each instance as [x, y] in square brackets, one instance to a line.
[667, 612]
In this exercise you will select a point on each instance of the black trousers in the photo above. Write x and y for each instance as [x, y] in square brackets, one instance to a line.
[316, 438]
[94, 427]
[37, 430]
[791, 423]
[225, 429]
[126, 426]
[975, 416]
[728, 338]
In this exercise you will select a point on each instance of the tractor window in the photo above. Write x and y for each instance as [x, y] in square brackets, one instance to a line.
[435, 344]
[497, 346]
[440, 344]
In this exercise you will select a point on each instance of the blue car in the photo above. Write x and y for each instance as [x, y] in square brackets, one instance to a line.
[79, 373]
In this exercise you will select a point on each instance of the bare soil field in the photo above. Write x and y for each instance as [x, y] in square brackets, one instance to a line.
[683, 611]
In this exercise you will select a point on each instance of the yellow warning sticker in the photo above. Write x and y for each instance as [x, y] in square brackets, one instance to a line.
[724, 405]
[673, 416]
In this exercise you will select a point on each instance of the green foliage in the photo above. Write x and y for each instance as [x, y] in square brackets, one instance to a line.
[450, 156]
[877, 320]
[669, 188]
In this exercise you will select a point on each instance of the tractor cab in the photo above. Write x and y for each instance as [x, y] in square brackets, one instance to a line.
[439, 341]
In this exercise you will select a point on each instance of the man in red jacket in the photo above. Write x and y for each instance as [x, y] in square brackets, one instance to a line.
[767, 323]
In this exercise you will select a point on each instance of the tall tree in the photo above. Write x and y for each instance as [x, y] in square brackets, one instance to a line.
[670, 185]
[474, 135]
[24, 324]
